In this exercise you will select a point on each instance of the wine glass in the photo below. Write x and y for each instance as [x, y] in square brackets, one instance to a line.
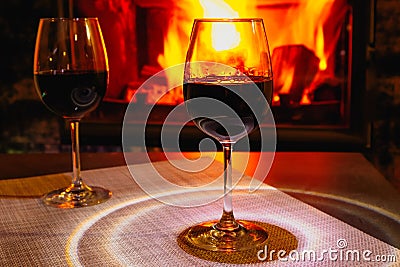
[71, 77]
[227, 87]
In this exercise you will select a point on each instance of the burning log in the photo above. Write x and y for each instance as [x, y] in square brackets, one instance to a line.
[295, 67]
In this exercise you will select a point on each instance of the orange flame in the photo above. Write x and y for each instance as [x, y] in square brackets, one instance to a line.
[319, 49]
[287, 83]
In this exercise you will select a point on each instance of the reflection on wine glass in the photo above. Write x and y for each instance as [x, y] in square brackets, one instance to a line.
[71, 77]
[227, 88]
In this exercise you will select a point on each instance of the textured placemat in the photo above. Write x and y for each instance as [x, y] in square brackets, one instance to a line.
[134, 229]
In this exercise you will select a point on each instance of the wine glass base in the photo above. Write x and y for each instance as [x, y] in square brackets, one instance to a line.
[247, 236]
[247, 250]
[76, 197]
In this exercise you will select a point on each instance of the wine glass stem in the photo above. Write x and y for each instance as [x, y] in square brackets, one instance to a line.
[76, 161]
[227, 221]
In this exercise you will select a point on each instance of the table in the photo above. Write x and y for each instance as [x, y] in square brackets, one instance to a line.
[343, 185]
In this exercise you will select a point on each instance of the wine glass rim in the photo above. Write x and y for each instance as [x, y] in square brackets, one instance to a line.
[228, 20]
[69, 19]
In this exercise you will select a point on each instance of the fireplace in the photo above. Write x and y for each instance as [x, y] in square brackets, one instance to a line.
[319, 51]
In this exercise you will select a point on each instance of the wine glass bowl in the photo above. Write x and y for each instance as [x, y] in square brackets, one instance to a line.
[227, 89]
[71, 77]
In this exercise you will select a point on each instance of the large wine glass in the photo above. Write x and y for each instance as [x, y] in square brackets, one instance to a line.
[71, 77]
[227, 88]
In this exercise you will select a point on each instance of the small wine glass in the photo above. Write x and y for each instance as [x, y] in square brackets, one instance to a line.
[71, 77]
[227, 88]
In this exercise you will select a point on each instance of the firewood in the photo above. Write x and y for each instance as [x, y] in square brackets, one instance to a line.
[294, 67]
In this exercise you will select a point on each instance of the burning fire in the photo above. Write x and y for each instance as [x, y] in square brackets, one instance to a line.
[315, 25]
[303, 37]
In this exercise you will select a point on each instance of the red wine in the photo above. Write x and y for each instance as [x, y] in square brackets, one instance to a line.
[71, 94]
[247, 99]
